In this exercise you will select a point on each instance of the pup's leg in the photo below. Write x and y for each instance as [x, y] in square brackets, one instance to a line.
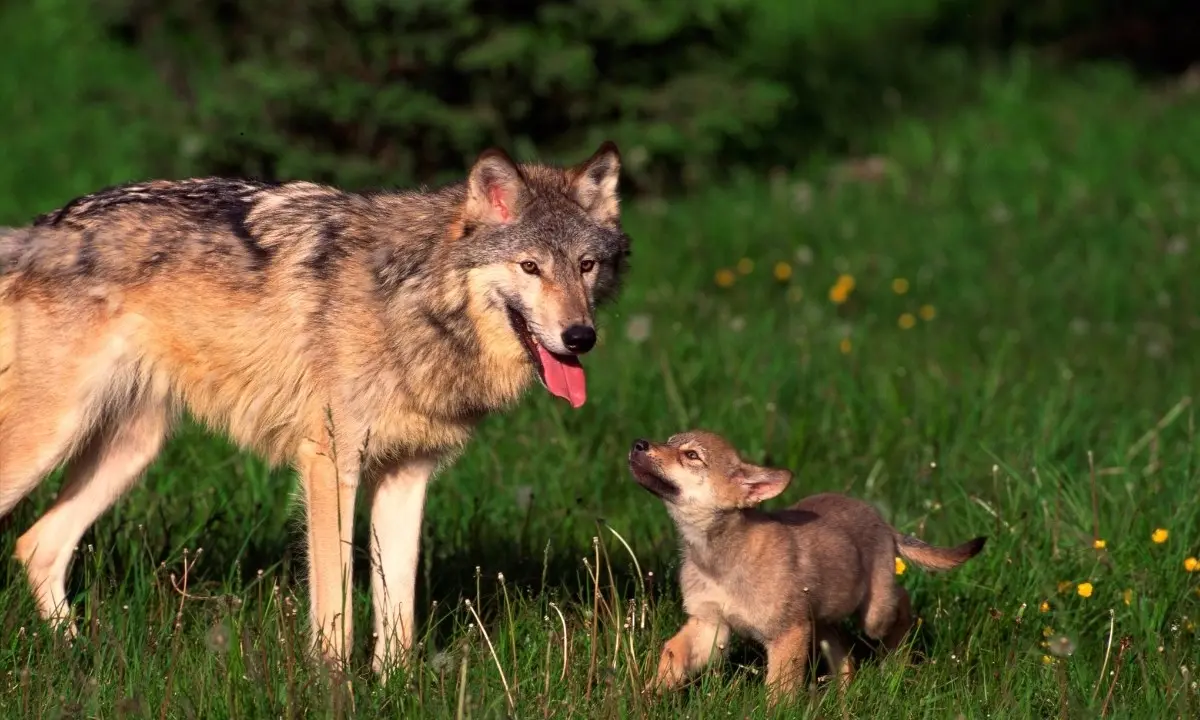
[787, 661]
[693, 647]
[834, 647]
[903, 622]
[108, 466]
[396, 511]
[879, 608]
[329, 486]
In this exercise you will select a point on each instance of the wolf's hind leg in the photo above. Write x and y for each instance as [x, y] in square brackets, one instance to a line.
[108, 466]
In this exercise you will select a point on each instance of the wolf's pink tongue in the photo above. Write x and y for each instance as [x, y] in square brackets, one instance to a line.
[564, 376]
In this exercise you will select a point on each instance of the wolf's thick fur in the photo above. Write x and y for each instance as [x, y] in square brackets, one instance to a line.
[269, 310]
[785, 578]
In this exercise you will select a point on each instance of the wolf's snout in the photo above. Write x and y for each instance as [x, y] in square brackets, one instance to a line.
[640, 445]
[579, 338]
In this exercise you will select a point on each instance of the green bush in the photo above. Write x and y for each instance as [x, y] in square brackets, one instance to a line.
[383, 91]
[364, 92]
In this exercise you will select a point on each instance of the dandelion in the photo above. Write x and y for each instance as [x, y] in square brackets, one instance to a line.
[845, 346]
[900, 566]
[745, 266]
[900, 286]
[724, 278]
[638, 329]
[906, 321]
[927, 312]
[1127, 596]
[783, 271]
[1062, 646]
[840, 292]
[1191, 564]
[1047, 660]
[1160, 536]
[1084, 589]
[1044, 607]
[1099, 543]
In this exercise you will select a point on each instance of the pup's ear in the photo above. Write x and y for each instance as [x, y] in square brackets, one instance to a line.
[496, 189]
[761, 483]
[593, 184]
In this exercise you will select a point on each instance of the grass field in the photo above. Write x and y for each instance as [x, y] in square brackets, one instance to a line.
[1014, 357]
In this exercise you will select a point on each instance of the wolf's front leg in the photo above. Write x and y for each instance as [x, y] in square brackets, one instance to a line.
[396, 511]
[696, 644]
[330, 482]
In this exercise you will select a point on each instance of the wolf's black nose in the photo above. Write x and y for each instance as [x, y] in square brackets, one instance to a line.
[579, 338]
[641, 445]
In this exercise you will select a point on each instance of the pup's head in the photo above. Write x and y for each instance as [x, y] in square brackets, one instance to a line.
[701, 470]
[544, 246]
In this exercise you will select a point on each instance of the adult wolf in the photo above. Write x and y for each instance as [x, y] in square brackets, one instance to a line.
[358, 336]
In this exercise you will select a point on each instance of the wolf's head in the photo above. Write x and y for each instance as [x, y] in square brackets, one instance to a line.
[544, 246]
[701, 471]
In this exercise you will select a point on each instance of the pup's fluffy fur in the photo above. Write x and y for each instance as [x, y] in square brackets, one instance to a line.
[782, 578]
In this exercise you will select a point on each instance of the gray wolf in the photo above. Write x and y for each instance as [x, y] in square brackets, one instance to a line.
[784, 578]
[360, 337]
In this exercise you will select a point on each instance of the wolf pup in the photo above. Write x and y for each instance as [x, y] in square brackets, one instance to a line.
[359, 336]
[783, 578]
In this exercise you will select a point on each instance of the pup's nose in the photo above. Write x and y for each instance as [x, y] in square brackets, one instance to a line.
[641, 445]
[579, 338]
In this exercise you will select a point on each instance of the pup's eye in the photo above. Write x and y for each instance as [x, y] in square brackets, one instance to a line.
[587, 266]
[530, 267]
[691, 455]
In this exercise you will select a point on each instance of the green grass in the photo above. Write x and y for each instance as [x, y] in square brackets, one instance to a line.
[1053, 227]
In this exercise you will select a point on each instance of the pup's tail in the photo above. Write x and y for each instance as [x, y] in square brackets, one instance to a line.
[936, 558]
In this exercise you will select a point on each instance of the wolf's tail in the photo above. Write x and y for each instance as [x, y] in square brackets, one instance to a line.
[936, 558]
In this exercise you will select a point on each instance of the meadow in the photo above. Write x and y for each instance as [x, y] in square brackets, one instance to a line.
[987, 327]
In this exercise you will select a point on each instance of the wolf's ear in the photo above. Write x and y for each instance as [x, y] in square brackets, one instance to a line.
[496, 189]
[761, 483]
[593, 184]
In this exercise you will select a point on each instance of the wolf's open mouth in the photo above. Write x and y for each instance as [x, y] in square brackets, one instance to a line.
[561, 374]
[649, 478]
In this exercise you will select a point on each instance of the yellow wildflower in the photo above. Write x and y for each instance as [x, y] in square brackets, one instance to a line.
[840, 292]
[1191, 564]
[1047, 631]
[1127, 596]
[1160, 536]
[1084, 589]
[845, 346]
[745, 266]
[906, 321]
[725, 278]
[783, 271]
[1044, 607]
[1099, 543]
[900, 566]
[927, 312]
[1047, 660]
[900, 286]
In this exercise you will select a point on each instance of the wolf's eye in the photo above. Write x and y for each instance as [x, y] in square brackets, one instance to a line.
[587, 266]
[691, 455]
[530, 267]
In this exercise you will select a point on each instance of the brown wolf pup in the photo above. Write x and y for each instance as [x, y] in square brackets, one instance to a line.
[783, 578]
[359, 336]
